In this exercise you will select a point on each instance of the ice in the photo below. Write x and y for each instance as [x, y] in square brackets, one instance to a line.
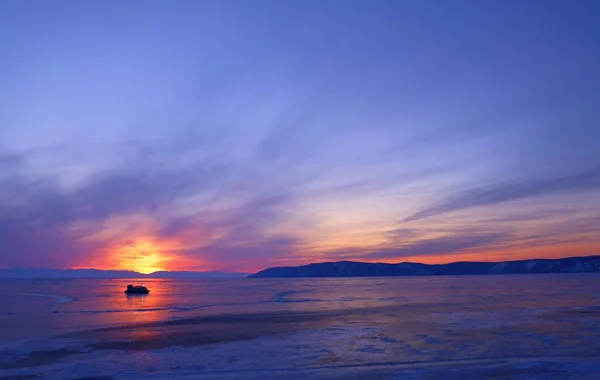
[59, 299]
[527, 327]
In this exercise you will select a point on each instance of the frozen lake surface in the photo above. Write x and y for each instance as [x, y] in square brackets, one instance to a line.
[468, 327]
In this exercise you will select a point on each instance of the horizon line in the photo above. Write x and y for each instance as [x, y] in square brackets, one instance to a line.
[117, 270]
[298, 265]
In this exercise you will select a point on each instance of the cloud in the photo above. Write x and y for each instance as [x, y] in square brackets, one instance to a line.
[588, 180]
[439, 246]
[241, 236]
[46, 224]
[526, 230]
[453, 242]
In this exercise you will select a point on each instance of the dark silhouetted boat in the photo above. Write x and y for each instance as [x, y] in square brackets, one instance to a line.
[136, 289]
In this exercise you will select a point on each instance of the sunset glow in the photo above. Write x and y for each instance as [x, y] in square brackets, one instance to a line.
[142, 256]
[273, 189]
[384, 134]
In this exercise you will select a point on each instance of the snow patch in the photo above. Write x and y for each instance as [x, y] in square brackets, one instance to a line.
[530, 265]
[498, 268]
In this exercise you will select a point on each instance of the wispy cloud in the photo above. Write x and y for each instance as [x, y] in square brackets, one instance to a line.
[43, 223]
[453, 244]
[414, 245]
[251, 148]
[505, 192]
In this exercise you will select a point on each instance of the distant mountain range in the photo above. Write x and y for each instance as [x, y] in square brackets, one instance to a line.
[98, 273]
[585, 264]
[358, 269]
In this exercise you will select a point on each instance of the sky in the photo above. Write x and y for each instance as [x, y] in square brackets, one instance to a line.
[241, 134]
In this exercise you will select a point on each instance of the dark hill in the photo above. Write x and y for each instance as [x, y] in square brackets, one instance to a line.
[358, 269]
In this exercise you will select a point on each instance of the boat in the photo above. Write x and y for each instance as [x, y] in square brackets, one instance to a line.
[136, 289]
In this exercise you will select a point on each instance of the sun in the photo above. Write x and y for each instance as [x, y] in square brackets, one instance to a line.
[142, 255]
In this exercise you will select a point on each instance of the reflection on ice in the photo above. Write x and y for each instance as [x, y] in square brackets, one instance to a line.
[136, 299]
[405, 328]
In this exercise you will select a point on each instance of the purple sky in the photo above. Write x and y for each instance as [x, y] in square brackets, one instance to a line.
[242, 134]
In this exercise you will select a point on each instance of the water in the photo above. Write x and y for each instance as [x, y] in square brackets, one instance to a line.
[526, 326]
